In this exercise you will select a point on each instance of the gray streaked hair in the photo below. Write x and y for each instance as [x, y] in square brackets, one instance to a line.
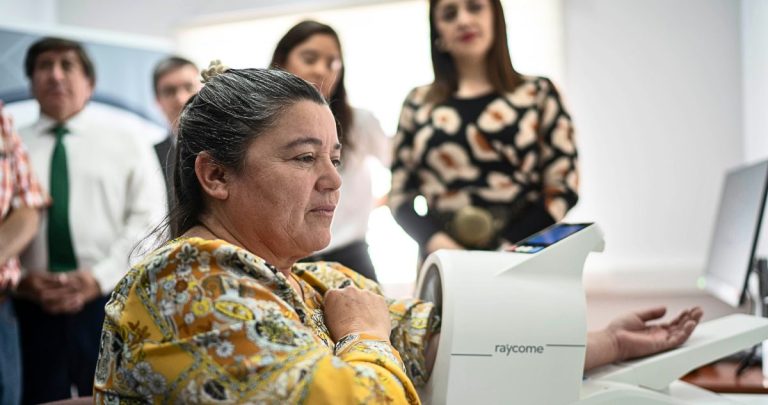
[233, 108]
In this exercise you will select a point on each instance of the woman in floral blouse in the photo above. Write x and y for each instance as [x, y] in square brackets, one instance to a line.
[224, 314]
[491, 150]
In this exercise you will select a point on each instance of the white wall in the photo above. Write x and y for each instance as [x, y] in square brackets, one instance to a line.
[754, 37]
[143, 17]
[655, 88]
[28, 11]
[162, 18]
[383, 62]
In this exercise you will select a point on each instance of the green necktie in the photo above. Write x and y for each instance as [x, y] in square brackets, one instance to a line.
[61, 254]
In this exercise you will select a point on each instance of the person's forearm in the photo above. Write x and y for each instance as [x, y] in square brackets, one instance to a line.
[17, 230]
[601, 350]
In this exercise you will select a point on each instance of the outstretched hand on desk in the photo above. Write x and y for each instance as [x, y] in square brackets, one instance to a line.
[630, 336]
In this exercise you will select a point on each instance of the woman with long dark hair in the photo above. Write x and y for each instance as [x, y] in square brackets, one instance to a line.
[491, 150]
[312, 51]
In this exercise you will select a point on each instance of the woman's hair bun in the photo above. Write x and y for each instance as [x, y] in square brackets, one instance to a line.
[215, 68]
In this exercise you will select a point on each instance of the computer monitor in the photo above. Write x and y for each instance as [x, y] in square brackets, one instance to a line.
[736, 232]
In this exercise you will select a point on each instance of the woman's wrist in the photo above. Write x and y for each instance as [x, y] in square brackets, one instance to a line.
[350, 339]
[602, 349]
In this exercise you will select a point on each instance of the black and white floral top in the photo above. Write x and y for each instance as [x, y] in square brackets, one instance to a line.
[511, 154]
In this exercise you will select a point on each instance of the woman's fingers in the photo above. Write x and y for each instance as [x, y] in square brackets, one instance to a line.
[352, 310]
[651, 313]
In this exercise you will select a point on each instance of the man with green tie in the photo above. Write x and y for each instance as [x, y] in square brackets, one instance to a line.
[107, 192]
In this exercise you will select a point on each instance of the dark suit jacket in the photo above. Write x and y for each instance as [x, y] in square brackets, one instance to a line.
[165, 151]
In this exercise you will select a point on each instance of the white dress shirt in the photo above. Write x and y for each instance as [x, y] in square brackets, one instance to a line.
[116, 193]
[350, 220]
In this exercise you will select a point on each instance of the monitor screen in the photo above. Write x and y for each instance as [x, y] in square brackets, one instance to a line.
[736, 231]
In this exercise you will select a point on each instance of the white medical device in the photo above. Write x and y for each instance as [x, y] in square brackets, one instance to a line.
[514, 330]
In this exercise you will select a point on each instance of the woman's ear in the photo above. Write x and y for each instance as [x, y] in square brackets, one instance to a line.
[213, 177]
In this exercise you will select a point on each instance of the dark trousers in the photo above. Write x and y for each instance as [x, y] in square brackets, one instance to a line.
[10, 361]
[58, 351]
[354, 255]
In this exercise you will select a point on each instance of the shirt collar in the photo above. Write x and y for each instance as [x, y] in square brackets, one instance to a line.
[74, 124]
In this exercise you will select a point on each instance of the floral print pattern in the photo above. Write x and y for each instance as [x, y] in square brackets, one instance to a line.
[451, 162]
[496, 116]
[446, 119]
[481, 147]
[200, 321]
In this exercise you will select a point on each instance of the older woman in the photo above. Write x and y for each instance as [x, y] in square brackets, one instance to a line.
[222, 313]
